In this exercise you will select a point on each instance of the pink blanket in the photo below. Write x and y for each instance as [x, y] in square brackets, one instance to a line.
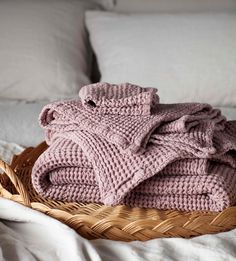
[118, 145]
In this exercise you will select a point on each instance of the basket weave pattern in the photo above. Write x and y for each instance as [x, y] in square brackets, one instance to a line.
[98, 221]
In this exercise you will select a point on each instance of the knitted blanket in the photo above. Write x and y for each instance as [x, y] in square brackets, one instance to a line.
[118, 145]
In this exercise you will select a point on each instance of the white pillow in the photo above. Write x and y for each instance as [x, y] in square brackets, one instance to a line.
[43, 48]
[188, 57]
[150, 6]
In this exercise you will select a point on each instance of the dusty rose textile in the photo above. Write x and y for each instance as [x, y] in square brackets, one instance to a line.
[130, 132]
[167, 156]
[123, 99]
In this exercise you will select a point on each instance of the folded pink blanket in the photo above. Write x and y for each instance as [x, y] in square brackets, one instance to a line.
[123, 99]
[130, 132]
[179, 156]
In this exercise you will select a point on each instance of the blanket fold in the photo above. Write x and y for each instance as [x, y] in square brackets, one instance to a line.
[116, 147]
[123, 99]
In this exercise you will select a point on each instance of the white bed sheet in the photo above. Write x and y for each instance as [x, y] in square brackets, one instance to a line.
[230, 113]
[29, 235]
[19, 122]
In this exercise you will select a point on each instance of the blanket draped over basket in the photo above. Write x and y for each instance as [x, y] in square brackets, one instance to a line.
[118, 145]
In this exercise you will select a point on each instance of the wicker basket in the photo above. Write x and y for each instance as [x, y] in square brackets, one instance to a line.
[99, 221]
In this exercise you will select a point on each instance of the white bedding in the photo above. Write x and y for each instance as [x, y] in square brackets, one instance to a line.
[28, 235]
[230, 113]
[7, 150]
[19, 122]
[187, 57]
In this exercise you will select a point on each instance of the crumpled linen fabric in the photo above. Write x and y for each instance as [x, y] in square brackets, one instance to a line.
[166, 156]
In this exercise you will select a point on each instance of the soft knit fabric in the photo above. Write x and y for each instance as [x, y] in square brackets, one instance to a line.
[72, 178]
[123, 99]
[129, 132]
[171, 161]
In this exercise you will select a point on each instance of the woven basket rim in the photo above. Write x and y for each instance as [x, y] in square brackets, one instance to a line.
[99, 221]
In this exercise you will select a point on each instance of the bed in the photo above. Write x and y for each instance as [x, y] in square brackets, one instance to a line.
[22, 237]
[50, 49]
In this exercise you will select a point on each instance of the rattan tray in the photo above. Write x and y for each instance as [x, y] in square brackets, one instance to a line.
[99, 221]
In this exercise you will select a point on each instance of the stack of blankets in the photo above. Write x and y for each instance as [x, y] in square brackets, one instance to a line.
[116, 144]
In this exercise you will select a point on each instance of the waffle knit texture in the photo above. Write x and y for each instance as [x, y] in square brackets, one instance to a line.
[118, 145]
